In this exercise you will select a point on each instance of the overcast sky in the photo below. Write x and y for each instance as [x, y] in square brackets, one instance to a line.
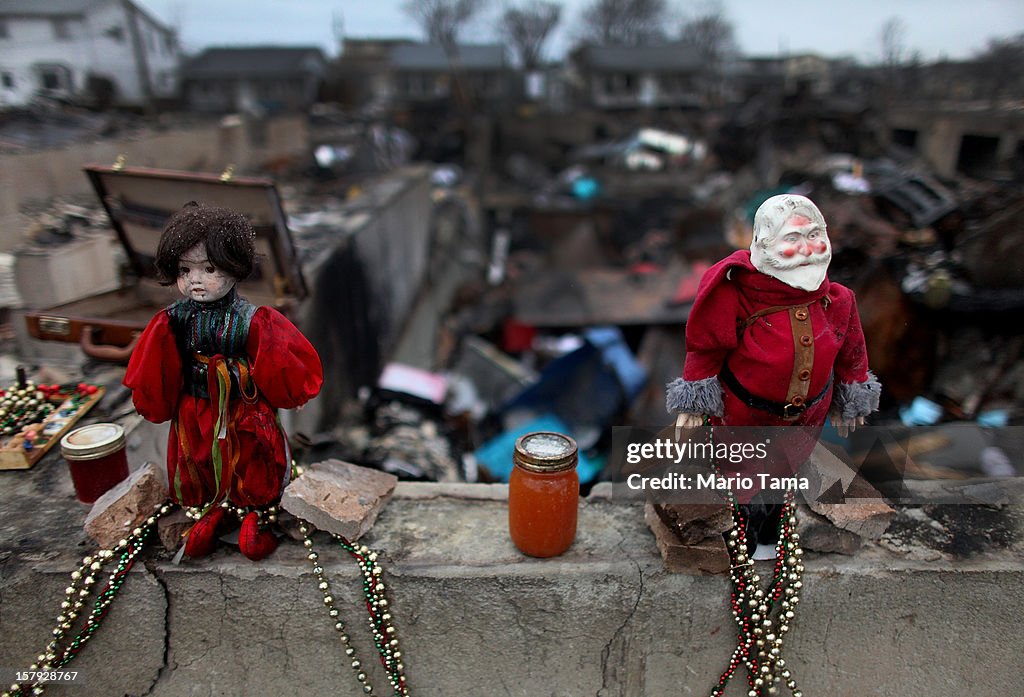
[937, 28]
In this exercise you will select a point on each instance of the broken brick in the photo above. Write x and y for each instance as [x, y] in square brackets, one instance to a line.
[693, 523]
[339, 497]
[861, 511]
[172, 527]
[709, 555]
[817, 534]
[868, 520]
[126, 506]
[840, 494]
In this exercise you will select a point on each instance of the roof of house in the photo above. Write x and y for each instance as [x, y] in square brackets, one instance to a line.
[659, 57]
[48, 8]
[255, 61]
[67, 8]
[433, 57]
[378, 40]
[371, 50]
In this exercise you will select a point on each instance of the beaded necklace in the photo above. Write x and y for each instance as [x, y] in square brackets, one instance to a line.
[58, 653]
[763, 615]
[83, 581]
[377, 606]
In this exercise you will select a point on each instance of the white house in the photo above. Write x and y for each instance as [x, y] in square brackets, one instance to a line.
[110, 51]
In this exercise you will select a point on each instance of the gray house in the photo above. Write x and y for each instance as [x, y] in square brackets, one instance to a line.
[631, 77]
[267, 79]
[362, 74]
[425, 72]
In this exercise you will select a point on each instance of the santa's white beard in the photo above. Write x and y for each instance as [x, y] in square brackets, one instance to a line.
[805, 274]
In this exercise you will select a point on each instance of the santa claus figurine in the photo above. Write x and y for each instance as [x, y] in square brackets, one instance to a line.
[772, 342]
[219, 368]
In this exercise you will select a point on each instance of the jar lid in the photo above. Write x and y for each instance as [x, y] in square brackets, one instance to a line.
[545, 451]
[92, 442]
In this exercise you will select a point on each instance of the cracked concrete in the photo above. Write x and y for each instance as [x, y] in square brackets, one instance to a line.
[165, 666]
[619, 674]
[477, 618]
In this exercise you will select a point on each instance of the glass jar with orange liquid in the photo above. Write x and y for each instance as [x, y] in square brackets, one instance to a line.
[543, 494]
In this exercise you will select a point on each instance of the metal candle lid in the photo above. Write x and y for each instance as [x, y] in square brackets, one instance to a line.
[545, 451]
[92, 442]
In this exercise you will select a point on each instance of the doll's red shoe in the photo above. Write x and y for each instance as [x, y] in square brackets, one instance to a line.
[253, 542]
[202, 538]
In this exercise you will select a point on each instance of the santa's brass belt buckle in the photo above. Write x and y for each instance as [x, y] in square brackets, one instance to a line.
[792, 411]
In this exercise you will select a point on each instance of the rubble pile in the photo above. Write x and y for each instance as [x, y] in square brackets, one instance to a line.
[408, 442]
[48, 123]
[346, 147]
[520, 351]
[602, 239]
[60, 221]
[578, 319]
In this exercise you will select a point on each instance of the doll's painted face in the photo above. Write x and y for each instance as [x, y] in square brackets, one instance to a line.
[199, 279]
[790, 242]
[798, 254]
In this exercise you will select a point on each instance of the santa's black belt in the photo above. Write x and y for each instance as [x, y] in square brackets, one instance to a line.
[785, 410]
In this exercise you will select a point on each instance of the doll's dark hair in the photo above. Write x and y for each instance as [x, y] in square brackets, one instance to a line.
[229, 238]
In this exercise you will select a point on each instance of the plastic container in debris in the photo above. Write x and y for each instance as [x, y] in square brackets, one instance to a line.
[96, 458]
[543, 494]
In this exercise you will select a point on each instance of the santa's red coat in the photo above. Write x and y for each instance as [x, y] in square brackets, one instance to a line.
[761, 355]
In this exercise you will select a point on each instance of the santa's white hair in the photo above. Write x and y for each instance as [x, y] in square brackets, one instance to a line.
[773, 214]
[770, 219]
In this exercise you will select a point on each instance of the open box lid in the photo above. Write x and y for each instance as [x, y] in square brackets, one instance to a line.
[139, 201]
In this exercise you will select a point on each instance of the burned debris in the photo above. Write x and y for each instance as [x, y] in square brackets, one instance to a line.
[541, 271]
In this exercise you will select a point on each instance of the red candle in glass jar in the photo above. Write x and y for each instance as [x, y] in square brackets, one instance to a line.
[96, 458]
[543, 494]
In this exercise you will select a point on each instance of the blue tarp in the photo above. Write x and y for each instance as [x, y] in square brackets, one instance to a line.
[587, 387]
[577, 393]
[496, 454]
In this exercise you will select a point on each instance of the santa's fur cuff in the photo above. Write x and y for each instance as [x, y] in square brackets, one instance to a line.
[853, 399]
[694, 396]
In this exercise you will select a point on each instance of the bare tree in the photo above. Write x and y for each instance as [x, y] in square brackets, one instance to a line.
[893, 38]
[711, 35]
[624, 22]
[1009, 50]
[527, 27]
[443, 20]
[1000, 67]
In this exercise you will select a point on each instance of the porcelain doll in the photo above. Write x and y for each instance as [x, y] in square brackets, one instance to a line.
[772, 342]
[219, 368]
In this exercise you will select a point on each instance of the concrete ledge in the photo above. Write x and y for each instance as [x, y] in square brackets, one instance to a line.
[423, 491]
[477, 618]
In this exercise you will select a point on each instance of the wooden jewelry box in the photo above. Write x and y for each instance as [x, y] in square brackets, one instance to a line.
[138, 202]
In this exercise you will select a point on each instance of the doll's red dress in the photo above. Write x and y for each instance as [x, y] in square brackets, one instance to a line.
[220, 371]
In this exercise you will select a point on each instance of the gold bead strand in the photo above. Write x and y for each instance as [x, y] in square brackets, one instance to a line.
[83, 582]
[384, 633]
[324, 586]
